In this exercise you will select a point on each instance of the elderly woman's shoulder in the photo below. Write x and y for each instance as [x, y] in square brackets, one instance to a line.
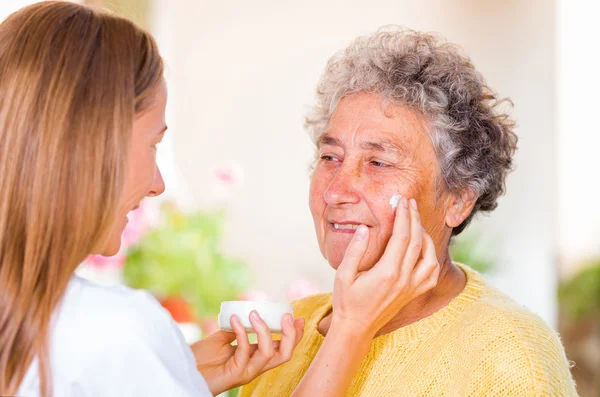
[519, 349]
[488, 306]
[499, 315]
[507, 315]
[513, 342]
[509, 345]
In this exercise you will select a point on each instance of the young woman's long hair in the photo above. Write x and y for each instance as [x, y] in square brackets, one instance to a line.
[72, 80]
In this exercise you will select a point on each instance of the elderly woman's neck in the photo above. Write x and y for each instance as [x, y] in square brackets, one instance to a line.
[451, 283]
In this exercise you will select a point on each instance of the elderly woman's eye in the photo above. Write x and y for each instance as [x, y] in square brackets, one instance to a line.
[328, 157]
[378, 163]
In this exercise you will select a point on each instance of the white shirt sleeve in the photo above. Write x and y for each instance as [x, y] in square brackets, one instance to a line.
[140, 352]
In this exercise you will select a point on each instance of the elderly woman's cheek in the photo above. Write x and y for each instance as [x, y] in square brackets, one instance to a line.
[321, 178]
[397, 183]
[316, 201]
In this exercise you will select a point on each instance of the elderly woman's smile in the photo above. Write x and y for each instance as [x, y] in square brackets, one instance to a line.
[371, 150]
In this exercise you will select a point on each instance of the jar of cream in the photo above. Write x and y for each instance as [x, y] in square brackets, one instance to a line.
[270, 312]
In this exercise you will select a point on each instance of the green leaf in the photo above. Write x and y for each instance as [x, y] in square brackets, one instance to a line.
[183, 258]
[580, 295]
[468, 249]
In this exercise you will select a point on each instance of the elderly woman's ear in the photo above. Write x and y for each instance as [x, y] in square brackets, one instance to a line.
[459, 208]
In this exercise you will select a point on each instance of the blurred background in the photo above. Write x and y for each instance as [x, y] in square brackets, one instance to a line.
[234, 222]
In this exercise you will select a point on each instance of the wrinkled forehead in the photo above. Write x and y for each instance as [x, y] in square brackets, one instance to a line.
[370, 122]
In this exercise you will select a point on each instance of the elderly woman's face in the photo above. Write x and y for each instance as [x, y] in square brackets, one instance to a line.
[144, 178]
[370, 152]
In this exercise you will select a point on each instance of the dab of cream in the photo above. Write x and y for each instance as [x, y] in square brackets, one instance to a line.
[395, 200]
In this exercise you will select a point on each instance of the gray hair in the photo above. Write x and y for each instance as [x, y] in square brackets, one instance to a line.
[473, 138]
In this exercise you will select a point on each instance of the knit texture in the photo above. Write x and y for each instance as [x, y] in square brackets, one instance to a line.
[481, 344]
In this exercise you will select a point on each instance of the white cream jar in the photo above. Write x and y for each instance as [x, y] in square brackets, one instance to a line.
[271, 314]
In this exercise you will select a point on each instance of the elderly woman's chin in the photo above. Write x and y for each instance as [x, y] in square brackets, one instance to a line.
[334, 261]
[335, 257]
[334, 253]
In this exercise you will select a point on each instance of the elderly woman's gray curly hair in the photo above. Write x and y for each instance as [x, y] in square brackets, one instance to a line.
[473, 139]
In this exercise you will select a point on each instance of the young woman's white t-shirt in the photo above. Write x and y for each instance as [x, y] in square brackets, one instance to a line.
[115, 341]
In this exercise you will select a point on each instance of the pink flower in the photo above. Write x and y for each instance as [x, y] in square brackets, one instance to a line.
[301, 289]
[254, 295]
[230, 174]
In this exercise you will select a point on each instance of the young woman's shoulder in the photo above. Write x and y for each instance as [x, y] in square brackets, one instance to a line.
[120, 341]
[113, 313]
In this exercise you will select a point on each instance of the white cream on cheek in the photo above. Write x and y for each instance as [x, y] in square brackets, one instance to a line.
[395, 200]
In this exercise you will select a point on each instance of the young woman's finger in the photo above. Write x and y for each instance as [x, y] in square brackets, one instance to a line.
[265, 351]
[286, 344]
[223, 336]
[242, 351]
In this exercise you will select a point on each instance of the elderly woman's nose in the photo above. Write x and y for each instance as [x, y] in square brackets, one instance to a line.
[158, 186]
[343, 188]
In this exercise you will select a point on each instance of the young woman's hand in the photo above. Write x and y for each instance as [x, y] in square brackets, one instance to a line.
[225, 366]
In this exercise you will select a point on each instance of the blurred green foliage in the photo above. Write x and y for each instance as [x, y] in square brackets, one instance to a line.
[580, 295]
[183, 258]
[467, 248]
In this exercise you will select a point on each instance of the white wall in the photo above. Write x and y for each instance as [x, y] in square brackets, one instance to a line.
[245, 72]
[579, 132]
[7, 7]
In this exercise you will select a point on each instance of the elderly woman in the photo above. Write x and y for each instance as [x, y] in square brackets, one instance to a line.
[404, 115]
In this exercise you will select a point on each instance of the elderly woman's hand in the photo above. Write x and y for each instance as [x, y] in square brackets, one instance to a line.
[365, 301]
[225, 366]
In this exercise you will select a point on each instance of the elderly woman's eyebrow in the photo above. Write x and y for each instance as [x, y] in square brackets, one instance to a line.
[328, 140]
[382, 146]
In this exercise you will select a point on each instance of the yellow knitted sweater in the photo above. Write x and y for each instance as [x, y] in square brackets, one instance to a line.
[481, 344]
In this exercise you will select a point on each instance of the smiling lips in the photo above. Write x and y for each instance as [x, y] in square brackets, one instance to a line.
[345, 227]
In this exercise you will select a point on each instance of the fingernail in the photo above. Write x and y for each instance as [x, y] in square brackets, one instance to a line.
[290, 319]
[405, 202]
[413, 203]
[235, 319]
[361, 232]
[255, 316]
